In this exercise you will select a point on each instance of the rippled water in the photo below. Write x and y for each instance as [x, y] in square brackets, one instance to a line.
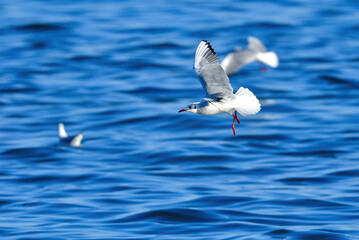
[120, 70]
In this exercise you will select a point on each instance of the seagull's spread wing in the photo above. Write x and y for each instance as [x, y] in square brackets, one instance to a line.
[256, 45]
[212, 76]
[76, 141]
[230, 63]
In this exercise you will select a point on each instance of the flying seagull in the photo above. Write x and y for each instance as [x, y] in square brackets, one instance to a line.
[74, 141]
[219, 92]
[255, 51]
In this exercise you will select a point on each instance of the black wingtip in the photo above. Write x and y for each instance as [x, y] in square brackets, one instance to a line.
[209, 46]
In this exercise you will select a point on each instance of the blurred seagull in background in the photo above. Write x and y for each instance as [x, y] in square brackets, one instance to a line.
[255, 51]
[74, 141]
[219, 92]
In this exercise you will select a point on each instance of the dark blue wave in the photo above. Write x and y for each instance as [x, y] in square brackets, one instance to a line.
[40, 27]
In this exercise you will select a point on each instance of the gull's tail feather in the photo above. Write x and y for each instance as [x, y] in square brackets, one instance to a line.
[76, 141]
[62, 131]
[246, 102]
[268, 58]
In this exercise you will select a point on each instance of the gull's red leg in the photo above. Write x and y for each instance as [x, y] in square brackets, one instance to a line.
[234, 129]
[239, 122]
[262, 67]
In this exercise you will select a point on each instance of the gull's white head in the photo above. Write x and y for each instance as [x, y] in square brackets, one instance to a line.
[193, 107]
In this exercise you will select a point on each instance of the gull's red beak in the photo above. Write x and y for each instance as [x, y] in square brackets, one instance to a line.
[183, 110]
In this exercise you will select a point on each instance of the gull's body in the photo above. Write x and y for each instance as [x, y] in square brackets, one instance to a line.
[219, 92]
[255, 51]
[74, 141]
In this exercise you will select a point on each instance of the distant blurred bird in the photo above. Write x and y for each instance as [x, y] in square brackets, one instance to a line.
[255, 51]
[74, 141]
[219, 92]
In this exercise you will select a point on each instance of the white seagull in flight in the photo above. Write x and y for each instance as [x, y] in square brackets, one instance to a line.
[219, 92]
[255, 51]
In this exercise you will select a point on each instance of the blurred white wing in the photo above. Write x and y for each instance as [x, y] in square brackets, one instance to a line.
[62, 131]
[76, 141]
[212, 76]
[256, 45]
[230, 63]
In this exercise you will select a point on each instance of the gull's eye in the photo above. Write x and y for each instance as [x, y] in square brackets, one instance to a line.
[190, 107]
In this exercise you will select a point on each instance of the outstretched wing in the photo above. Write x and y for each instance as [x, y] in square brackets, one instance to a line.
[212, 76]
[76, 141]
[256, 45]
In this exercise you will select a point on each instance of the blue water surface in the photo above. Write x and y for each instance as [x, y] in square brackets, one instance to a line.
[120, 70]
